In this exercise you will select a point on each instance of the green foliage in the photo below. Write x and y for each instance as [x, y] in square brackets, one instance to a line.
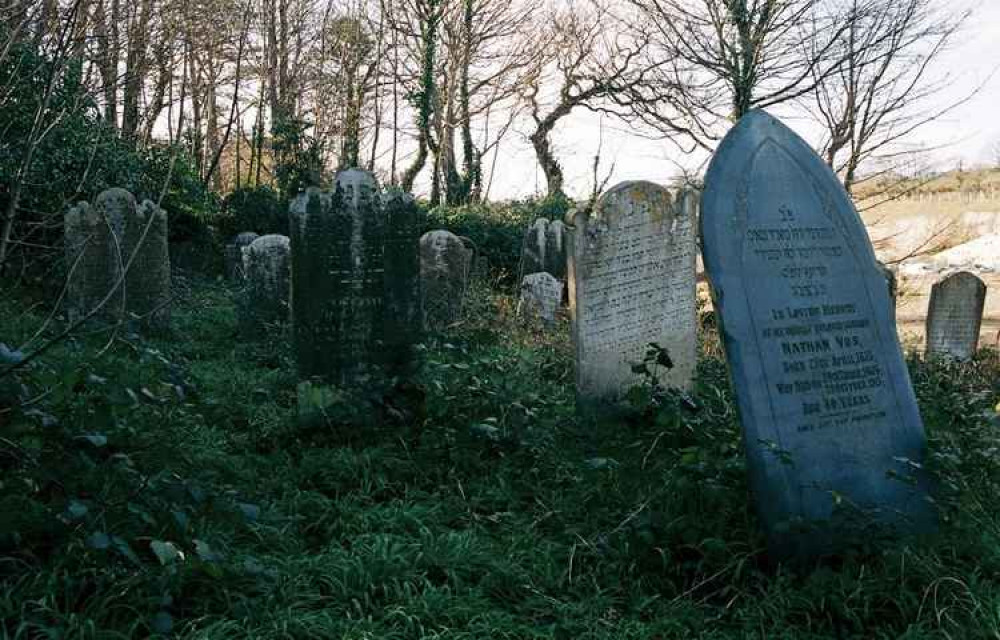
[298, 156]
[257, 208]
[164, 486]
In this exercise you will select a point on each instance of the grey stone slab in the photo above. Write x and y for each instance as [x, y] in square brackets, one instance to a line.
[233, 258]
[404, 320]
[541, 297]
[264, 298]
[631, 284]
[445, 264]
[955, 316]
[833, 435]
[543, 249]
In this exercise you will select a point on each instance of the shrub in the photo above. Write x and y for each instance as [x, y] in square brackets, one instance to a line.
[259, 209]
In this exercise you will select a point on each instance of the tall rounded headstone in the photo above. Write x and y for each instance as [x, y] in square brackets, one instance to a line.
[955, 316]
[833, 436]
[631, 284]
[147, 284]
[234, 255]
[445, 262]
[265, 295]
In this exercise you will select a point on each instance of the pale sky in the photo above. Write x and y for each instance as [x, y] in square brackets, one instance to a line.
[967, 133]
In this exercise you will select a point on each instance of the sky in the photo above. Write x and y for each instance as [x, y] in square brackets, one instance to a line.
[964, 136]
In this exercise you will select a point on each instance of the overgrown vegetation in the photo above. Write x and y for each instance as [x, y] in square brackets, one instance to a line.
[162, 486]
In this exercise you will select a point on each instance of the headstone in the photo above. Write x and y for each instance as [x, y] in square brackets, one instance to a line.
[147, 285]
[891, 281]
[234, 255]
[403, 310]
[543, 249]
[632, 284]
[338, 287]
[263, 300]
[445, 262]
[92, 263]
[955, 316]
[833, 436]
[103, 240]
[541, 297]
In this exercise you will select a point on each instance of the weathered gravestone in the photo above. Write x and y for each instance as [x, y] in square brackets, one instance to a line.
[833, 436]
[263, 302]
[234, 255]
[403, 312]
[355, 286]
[543, 249]
[541, 297]
[103, 240]
[92, 262]
[632, 283]
[955, 316]
[445, 262]
[147, 284]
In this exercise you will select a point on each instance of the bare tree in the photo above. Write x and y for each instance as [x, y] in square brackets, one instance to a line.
[885, 88]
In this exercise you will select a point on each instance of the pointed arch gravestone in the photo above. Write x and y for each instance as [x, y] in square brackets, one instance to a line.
[354, 280]
[263, 300]
[833, 436]
[955, 316]
[632, 283]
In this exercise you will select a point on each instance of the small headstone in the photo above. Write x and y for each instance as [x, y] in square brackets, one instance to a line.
[445, 262]
[632, 284]
[543, 249]
[147, 285]
[403, 311]
[263, 301]
[833, 435]
[541, 297]
[234, 255]
[955, 316]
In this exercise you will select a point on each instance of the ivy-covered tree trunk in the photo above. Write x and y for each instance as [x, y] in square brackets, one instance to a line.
[425, 96]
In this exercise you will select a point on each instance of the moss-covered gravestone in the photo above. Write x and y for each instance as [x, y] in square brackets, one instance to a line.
[263, 301]
[352, 266]
[445, 262]
[234, 255]
[102, 240]
[403, 317]
[833, 436]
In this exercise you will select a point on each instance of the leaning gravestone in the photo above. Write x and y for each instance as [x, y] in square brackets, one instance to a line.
[234, 255]
[445, 262]
[403, 312]
[955, 316]
[147, 285]
[833, 436]
[264, 298]
[541, 296]
[543, 249]
[632, 283]
[338, 287]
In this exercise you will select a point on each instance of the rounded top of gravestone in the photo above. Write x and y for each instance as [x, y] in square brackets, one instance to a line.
[244, 239]
[395, 195]
[623, 197]
[82, 212]
[115, 197]
[540, 278]
[148, 207]
[962, 279]
[441, 239]
[268, 243]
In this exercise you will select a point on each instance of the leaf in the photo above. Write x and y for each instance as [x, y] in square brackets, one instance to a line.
[250, 511]
[98, 540]
[181, 519]
[162, 623]
[205, 552]
[166, 552]
[95, 439]
[10, 356]
[123, 548]
[76, 510]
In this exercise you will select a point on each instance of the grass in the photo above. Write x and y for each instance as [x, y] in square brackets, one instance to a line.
[161, 486]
